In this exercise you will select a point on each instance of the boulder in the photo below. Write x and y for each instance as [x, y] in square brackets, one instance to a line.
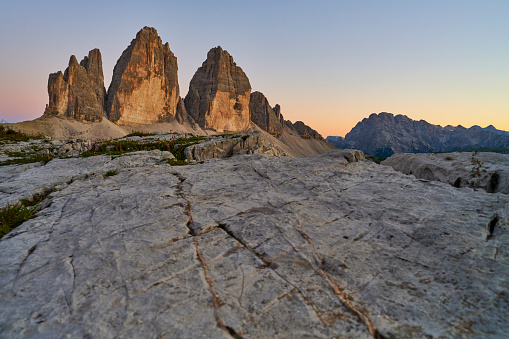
[144, 88]
[79, 92]
[485, 170]
[219, 94]
[254, 143]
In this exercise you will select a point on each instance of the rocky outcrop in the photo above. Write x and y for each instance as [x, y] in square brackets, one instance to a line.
[252, 247]
[485, 170]
[264, 116]
[253, 143]
[384, 134]
[144, 88]
[303, 130]
[219, 94]
[79, 92]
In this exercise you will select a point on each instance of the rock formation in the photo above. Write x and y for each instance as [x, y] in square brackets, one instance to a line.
[385, 134]
[253, 143]
[79, 92]
[303, 130]
[485, 170]
[219, 94]
[264, 116]
[251, 247]
[144, 88]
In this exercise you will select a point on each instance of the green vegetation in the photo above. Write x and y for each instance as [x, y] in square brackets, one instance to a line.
[120, 147]
[503, 150]
[111, 173]
[8, 134]
[384, 152]
[378, 160]
[28, 159]
[176, 162]
[139, 134]
[13, 215]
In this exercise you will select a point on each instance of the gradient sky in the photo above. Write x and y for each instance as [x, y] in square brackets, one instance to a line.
[327, 63]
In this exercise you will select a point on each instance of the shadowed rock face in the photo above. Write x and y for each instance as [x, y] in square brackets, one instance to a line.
[303, 130]
[264, 116]
[144, 88]
[79, 92]
[219, 93]
[384, 134]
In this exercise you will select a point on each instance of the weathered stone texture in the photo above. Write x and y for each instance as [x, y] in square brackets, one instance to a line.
[253, 247]
[264, 116]
[485, 170]
[144, 88]
[78, 93]
[219, 94]
[254, 143]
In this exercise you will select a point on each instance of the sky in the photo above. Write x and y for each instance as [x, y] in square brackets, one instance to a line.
[327, 63]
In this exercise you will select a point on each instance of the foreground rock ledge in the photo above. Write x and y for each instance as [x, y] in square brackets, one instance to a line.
[255, 247]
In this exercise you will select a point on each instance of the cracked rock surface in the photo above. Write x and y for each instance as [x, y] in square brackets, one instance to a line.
[485, 170]
[256, 247]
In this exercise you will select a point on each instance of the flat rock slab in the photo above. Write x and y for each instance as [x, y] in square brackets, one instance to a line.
[258, 247]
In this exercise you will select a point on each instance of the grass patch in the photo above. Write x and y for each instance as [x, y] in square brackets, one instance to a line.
[27, 160]
[13, 215]
[176, 162]
[139, 134]
[11, 135]
[119, 147]
[111, 173]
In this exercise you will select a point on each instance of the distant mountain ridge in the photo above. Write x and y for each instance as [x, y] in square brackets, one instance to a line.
[384, 134]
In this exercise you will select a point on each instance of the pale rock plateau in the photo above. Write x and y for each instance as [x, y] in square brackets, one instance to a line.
[254, 246]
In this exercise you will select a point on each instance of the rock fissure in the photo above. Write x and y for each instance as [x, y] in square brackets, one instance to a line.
[491, 227]
[269, 264]
[187, 204]
[343, 297]
[217, 301]
[30, 251]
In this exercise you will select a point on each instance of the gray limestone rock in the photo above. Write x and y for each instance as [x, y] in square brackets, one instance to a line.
[485, 170]
[254, 143]
[255, 247]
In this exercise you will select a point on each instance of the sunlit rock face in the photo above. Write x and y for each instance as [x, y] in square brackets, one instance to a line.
[144, 88]
[79, 92]
[219, 94]
[264, 116]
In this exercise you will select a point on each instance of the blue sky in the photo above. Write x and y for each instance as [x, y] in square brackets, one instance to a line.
[327, 63]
